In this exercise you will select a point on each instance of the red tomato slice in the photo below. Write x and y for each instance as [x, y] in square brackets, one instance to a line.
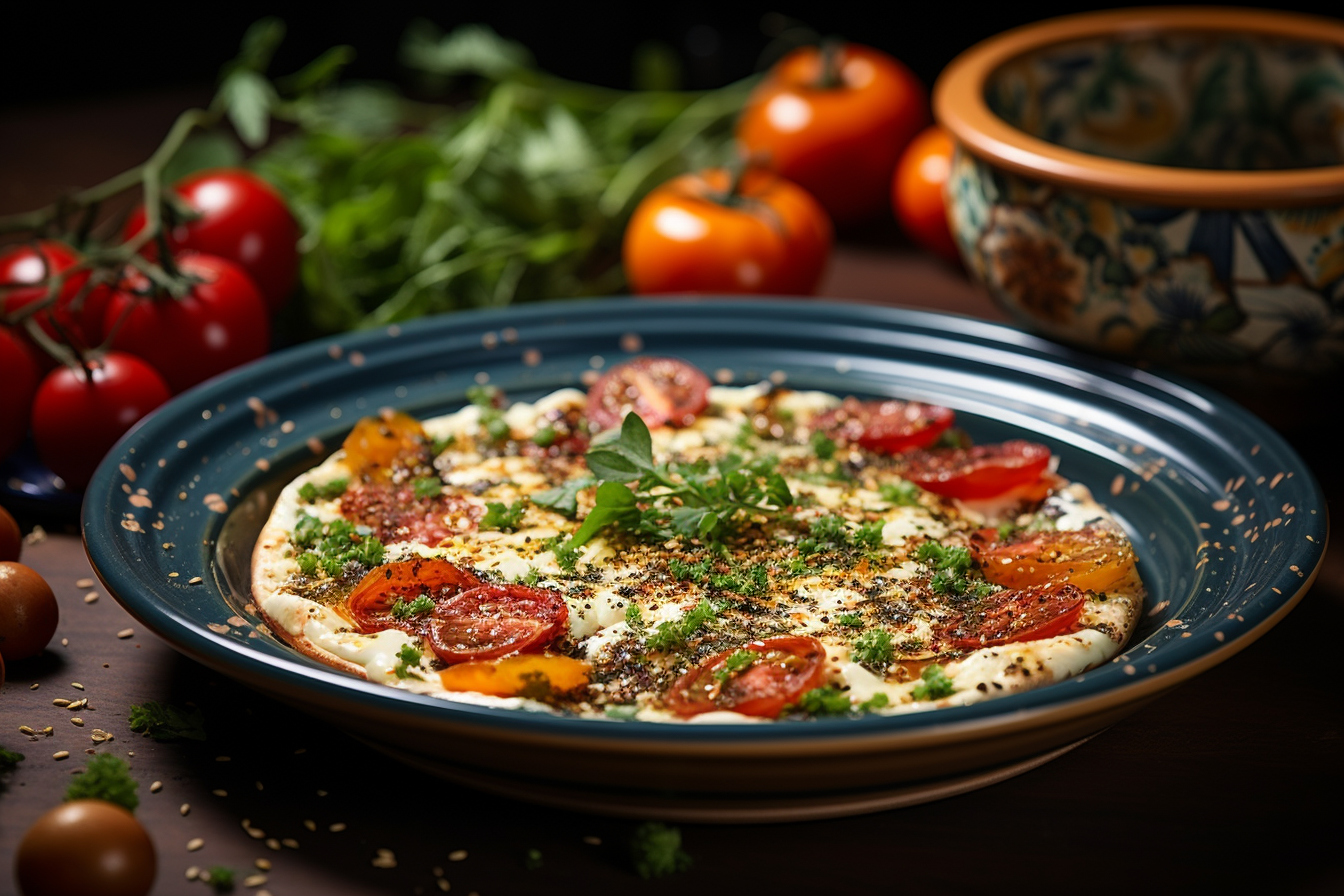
[370, 604]
[660, 390]
[983, 471]
[1092, 559]
[1007, 616]
[889, 427]
[495, 620]
[787, 668]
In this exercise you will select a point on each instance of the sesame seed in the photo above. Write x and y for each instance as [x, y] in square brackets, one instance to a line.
[384, 859]
[91, 597]
[194, 580]
[222, 759]
[194, 844]
[84, 583]
[263, 864]
[34, 686]
[65, 642]
[254, 880]
[156, 787]
[337, 827]
[457, 855]
[60, 754]
[76, 721]
[289, 843]
[442, 884]
[125, 633]
[193, 872]
[310, 824]
[60, 701]
[220, 792]
[99, 736]
[76, 685]
[593, 841]
[24, 729]
[184, 808]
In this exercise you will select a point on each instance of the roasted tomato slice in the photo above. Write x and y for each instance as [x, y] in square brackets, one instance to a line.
[785, 669]
[1029, 614]
[371, 603]
[982, 471]
[1092, 559]
[496, 620]
[660, 390]
[376, 444]
[888, 427]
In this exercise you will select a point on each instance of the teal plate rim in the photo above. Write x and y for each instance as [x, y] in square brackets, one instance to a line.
[1229, 524]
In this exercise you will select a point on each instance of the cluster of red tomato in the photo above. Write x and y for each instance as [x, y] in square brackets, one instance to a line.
[833, 135]
[134, 342]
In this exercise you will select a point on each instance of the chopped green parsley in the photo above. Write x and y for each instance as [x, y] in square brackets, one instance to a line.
[934, 684]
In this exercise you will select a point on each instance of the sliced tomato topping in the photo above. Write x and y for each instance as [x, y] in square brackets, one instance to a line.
[371, 603]
[398, 513]
[496, 620]
[662, 391]
[785, 669]
[1092, 558]
[888, 427]
[982, 471]
[1028, 614]
[529, 675]
[376, 444]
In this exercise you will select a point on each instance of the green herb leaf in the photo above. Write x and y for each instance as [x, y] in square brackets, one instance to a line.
[735, 662]
[106, 777]
[427, 487]
[503, 517]
[873, 648]
[934, 684]
[418, 607]
[615, 503]
[626, 458]
[166, 723]
[408, 660]
[902, 494]
[655, 850]
[219, 877]
[824, 701]
[9, 760]
[564, 498]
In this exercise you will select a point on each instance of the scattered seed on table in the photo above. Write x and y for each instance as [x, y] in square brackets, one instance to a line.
[84, 583]
[34, 686]
[195, 580]
[457, 855]
[125, 633]
[385, 859]
[264, 864]
[194, 844]
[272, 843]
[60, 754]
[289, 843]
[60, 701]
[184, 808]
[91, 597]
[48, 731]
[24, 729]
[100, 736]
[65, 642]
[77, 685]
[77, 721]
[222, 759]
[156, 787]
[310, 824]
[593, 841]
[193, 872]
[321, 793]
[254, 880]
[337, 827]
[79, 704]
[259, 787]
[254, 833]
[443, 884]
[220, 792]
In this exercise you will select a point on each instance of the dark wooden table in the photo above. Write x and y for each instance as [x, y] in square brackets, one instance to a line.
[1231, 781]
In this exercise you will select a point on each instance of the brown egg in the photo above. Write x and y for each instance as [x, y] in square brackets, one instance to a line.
[11, 539]
[28, 612]
[85, 847]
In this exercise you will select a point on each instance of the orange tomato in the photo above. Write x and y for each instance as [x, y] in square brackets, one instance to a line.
[917, 192]
[376, 442]
[515, 675]
[1091, 559]
[700, 233]
[835, 122]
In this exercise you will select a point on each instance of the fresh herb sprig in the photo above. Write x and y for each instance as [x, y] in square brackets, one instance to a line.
[330, 545]
[165, 722]
[106, 777]
[952, 566]
[701, 501]
[934, 684]
[655, 850]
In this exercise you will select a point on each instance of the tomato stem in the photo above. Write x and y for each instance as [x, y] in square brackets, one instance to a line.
[831, 76]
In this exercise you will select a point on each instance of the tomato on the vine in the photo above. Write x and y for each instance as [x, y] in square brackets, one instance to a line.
[703, 233]
[660, 390]
[917, 191]
[982, 471]
[80, 413]
[1092, 558]
[888, 427]
[218, 325]
[20, 374]
[242, 218]
[782, 670]
[76, 316]
[834, 120]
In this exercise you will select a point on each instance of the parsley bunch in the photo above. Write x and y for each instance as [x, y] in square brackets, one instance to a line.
[698, 500]
[952, 566]
[329, 546]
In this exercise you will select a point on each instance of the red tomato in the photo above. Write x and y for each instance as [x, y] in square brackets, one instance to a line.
[983, 471]
[78, 415]
[85, 846]
[242, 218]
[787, 668]
[889, 427]
[696, 233]
[835, 123]
[29, 613]
[370, 604]
[77, 314]
[220, 324]
[660, 390]
[1092, 559]
[917, 192]
[1007, 616]
[20, 374]
[496, 620]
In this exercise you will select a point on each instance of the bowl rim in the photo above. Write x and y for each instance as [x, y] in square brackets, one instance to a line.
[959, 105]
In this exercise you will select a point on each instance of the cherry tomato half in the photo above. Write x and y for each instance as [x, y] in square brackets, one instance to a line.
[917, 192]
[889, 427]
[1030, 614]
[496, 620]
[1092, 558]
[242, 218]
[370, 604]
[20, 373]
[220, 324]
[787, 668]
[76, 316]
[78, 415]
[982, 471]
[660, 390]
[834, 121]
[690, 235]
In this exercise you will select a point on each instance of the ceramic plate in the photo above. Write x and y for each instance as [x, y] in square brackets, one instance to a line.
[1229, 525]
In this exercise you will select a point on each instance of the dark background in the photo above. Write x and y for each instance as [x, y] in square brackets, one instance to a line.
[51, 52]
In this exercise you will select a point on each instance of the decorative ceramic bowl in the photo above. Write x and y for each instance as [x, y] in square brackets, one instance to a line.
[1160, 185]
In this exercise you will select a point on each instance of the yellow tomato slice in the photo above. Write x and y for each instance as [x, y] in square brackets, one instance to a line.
[376, 442]
[1092, 559]
[529, 675]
